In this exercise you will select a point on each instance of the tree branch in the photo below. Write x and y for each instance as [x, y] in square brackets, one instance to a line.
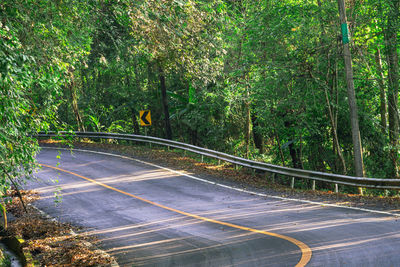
[16, 188]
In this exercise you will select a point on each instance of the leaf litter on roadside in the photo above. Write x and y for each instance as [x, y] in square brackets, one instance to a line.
[51, 243]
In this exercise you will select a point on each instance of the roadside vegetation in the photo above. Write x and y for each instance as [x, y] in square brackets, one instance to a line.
[4, 260]
[305, 84]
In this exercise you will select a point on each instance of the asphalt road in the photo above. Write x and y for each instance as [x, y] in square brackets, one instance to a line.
[149, 216]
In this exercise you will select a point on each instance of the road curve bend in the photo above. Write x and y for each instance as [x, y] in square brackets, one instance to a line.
[147, 215]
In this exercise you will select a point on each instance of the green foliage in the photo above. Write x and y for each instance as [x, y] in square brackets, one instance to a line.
[18, 114]
[40, 41]
[263, 79]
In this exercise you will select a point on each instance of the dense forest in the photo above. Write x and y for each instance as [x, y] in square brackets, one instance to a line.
[269, 80]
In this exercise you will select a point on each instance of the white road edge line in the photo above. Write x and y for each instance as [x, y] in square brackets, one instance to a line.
[231, 187]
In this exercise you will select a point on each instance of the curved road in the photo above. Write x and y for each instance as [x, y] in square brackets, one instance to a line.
[146, 215]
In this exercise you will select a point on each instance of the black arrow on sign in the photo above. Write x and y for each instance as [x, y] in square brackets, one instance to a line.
[143, 118]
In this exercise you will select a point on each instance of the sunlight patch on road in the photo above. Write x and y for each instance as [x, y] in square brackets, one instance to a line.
[306, 252]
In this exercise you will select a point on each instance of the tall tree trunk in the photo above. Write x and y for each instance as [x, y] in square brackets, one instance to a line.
[300, 152]
[136, 128]
[257, 137]
[74, 103]
[335, 139]
[193, 137]
[294, 154]
[337, 150]
[163, 87]
[278, 142]
[382, 93]
[248, 123]
[134, 113]
[293, 151]
[355, 131]
[393, 81]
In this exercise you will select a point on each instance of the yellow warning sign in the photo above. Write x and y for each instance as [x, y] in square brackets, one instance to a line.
[145, 118]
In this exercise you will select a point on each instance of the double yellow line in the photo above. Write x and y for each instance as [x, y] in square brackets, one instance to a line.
[306, 252]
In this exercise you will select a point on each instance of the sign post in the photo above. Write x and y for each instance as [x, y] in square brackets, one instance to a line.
[145, 120]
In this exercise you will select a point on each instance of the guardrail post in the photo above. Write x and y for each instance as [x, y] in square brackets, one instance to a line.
[202, 158]
[392, 184]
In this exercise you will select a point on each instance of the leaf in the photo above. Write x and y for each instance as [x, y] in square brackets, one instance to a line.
[10, 146]
[192, 94]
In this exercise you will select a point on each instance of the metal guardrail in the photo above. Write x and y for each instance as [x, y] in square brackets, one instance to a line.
[377, 183]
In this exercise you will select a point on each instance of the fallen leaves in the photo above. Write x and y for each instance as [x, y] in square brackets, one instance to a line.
[15, 206]
[50, 242]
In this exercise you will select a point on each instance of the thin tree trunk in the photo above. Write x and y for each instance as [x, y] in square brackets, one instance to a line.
[248, 123]
[300, 152]
[193, 137]
[278, 141]
[380, 79]
[16, 189]
[257, 137]
[292, 150]
[136, 128]
[382, 93]
[294, 155]
[337, 92]
[335, 138]
[358, 159]
[336, 147]
[393, 84]
[334, 132]
[168, 130]
[75, 108]
[134, 113]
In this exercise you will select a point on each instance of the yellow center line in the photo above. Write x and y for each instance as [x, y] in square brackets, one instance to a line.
[306, 252]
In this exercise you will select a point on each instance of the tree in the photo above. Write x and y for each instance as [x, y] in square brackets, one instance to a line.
[37, 47]
[262, 79]
[391, 35]
[177, 37]
[355, 131]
